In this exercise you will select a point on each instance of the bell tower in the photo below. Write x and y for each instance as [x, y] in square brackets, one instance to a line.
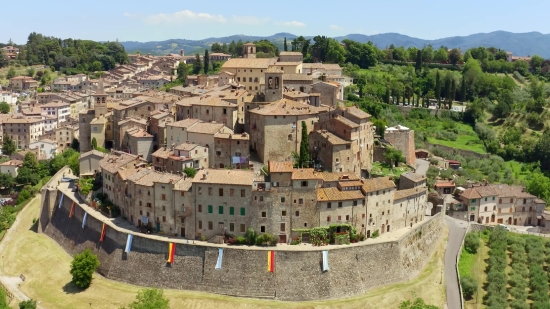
[249, 50]
[100, 100]
[273, 85]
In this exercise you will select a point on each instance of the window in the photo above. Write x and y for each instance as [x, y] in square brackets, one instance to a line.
[243, 211]
[290, 137]
[232, 210]
[149, 205]
[493, 198]
[220, 210]
[264, 214]
[347, 217]
[182, 220]
[283, 227]
[485, 208]
[339, 204]
[301, 201]
[139, 203]
[182, 193]
[283, 213]
[163, 208]
[163, 197]
[282, 199]
[304, 183]
[262, 229]
[220, 192]
[242, 193]
[339, 218]
[474, 200]
[200, 190]
[329, 205]
[297, 213]
[209, 191]
[485, 199]
[363, 216]
[328, 219]
[354, 203]
[210, 209]
[231, 192]
[511, 200]
[218, 153]
[200, 224]
[231, 227]
[210, 225]
[243, 228]
[163, 218]
[500, 201]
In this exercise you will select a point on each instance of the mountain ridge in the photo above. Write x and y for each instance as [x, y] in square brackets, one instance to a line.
[521, 44]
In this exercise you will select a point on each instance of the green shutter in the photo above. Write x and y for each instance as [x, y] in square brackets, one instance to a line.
[210, 209]
[231, 210]
[242, 211]
[485, 199]
[220, 210]
[493, 198]
[473, 201]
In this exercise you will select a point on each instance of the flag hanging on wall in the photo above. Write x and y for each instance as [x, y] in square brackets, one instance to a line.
[103, 232]
[128, 243]
[220, 257]
[61, 200]
[72, 211]
[325, 260]
[270, 261]
[84, 219]
[171, 252]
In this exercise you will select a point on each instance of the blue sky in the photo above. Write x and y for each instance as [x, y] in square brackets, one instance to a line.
[167, 19]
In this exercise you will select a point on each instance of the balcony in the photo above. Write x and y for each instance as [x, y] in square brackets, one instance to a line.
[261, 186]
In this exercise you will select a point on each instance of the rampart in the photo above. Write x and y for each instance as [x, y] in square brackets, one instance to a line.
[298, 275]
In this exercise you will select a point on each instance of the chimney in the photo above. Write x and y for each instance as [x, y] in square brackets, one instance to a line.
[181, 52]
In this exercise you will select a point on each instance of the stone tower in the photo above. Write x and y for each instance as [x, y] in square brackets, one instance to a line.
[249, 50]
[273, 84]
[100, 100]
[85, 118]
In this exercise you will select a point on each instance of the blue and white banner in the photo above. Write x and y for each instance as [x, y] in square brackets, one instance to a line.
[61, 200]
[128, 243]
[325, 260]
[220, 257]
[84, 219]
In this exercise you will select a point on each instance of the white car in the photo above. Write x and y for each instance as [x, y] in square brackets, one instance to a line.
[504, 227]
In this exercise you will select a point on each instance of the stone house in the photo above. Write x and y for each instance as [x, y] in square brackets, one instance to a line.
[249, 71]
[443, 187]
[176, 159]
[89, 162]
[342, 204]
[110, 166]
[45, 149]
[329, 92]
[184, 206]
[64, 136]
[290, 56]
[279, 213]
[409, 207]
[411, 180]
[303, 208]
[22, 83]
[138, 142]
[11, 167]
[23, 130]
[232, 150]
[333, 153]
[209, 108]
[223, 202]
[402, 138]
[379, 195]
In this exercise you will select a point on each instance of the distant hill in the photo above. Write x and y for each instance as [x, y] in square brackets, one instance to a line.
[521, 44]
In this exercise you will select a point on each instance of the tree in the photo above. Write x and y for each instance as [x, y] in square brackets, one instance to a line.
[97, 66]
[361, 83]
[463, 90]
[197, 65]
[6, 180]
[394, 156]
[8, 145]
[539, 185]
[190, 172]
[427, 54]
[216, 48]
[4, 108]
[285, 45]
[29, 173]
[150, 299]
[3, 300]
[182, 71]
[441, 55]
[3, 59]
[11, 73]
[28, 304]
[469, 286]
[454, 56]
[75, 144]
[83, 267]
[471, 243]
[453, 93]
[303, 157]
[536, 63]
[438, 88]
[30, 72]
[206, 62]
[74, 164]
[94, 143]
[417, 304]
[504, 106]
[418, 64]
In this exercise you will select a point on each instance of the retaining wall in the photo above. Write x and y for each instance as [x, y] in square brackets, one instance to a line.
[298, 275]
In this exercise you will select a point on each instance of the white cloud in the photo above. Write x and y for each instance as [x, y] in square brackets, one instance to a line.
[293, 23]
[184, 16]
[335, 27]
[249, 20]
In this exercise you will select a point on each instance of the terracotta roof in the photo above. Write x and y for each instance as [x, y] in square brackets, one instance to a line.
[287, 107]
[504, 190]
[345, 121]
[124, 173]
[12, 163]
[151, 178]
[354, 183]
[539, 201]
[162, 152]
[470, 193]
[444, 184]
[485, 191]
[414, 176]
[138, 133]
[92, 152]
[186, 123]
[326, 66]
[331, 138]
[290, 53]
[292, 63]
[400, 194]
[113, 161]
[55, 104]
[280, 167]
[375, 184]
[333, 194]
[249, 63]
[184, 184]
[206, 128]
[23, 120]
[239, 136]
[225, 177]
[296, 76]
[357, 112]
[337, 176]
[186, 146]
[304, 173]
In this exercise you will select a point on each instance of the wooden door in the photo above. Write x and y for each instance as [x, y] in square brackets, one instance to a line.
[182, 232]
[282, 238]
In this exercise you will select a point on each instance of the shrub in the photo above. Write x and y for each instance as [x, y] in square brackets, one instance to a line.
[83, 267]
[471, 243]
[241, 240]
[28, 304]
[469, 286]
[265, 239]
[250, 236]
[375, 234]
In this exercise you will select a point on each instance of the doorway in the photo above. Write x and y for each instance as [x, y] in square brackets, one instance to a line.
[472, 217]
[368, 234]
[282, 238]
[509, 220]
[515, 221]
[182, 232]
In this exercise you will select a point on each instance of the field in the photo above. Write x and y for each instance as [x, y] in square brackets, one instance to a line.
[466, 138]
[46, 268]
[474, 265]
[22, 70]
[379, 168]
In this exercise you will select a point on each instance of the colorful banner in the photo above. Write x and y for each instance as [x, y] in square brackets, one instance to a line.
[270, 261]
[84, 219]
[128, 243]
[220, 257]
[325, 260]
[72, 211]
[171, 252]
[61, 200]
[103, 232]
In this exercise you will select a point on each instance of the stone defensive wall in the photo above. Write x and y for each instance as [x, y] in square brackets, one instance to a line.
[298, 275]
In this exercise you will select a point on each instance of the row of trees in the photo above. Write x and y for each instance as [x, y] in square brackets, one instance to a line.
[538, 279]
[497, 295]
[518, 274]
[264, 48]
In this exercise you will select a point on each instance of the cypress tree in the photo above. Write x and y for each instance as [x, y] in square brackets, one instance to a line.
[388, 94]
[463, 90]
[438, 88]
[304, 147]
[206, 61]
[285, 45]
[453, 93]
[418, 65]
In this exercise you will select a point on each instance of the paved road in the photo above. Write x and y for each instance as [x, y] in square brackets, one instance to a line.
[422, 166]
[457, 229]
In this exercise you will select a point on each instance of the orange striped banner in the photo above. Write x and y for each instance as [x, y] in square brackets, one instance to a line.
[103, 232]
[72, 211]
[171, 252]
[270, 261]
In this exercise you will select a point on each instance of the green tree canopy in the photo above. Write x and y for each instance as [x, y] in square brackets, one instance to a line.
[394, 156]
[416, 304]
[441, 55]
[182, 71]
[11, 73]
[4, 108]
[206, 62]
[197, 65]
[149, 299]
[8, 145]
[28, 304]
[539, 185]
[83, 267]
[6, 180]
[454, 56]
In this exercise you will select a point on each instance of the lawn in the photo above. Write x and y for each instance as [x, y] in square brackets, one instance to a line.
[33, 255]
[474, 265]
[466, 139]
[384, 169]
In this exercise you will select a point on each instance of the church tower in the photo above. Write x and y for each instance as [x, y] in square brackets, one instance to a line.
[273, 85]
[100, 100]
[249, 50]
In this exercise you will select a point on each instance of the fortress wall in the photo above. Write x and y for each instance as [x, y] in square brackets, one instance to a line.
[298, 275]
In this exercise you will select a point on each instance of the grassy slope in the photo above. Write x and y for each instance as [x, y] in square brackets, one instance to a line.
[23, 71]
[462, 140]
[46, 267]
[474, 265]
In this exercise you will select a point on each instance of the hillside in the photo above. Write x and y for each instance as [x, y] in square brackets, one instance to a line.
[522, 44]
